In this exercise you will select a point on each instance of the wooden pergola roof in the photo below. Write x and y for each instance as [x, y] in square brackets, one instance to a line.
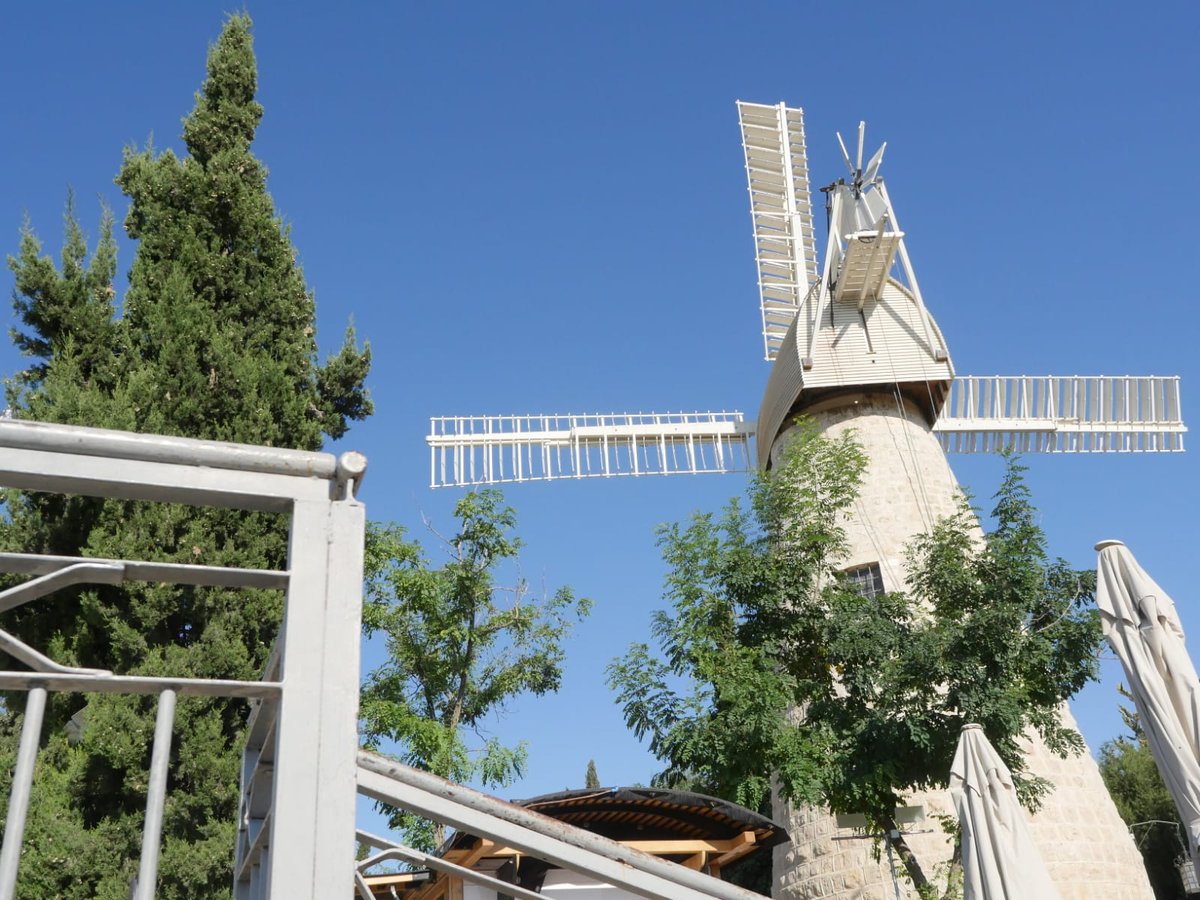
[695, 830]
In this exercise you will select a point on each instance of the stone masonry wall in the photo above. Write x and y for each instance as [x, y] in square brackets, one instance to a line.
[1085, 845]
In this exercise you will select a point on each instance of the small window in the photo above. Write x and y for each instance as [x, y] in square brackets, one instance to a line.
[867, 580]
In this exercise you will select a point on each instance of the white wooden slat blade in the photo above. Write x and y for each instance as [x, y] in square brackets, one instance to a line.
[781, 211]
[476, 450]
[1074, 414]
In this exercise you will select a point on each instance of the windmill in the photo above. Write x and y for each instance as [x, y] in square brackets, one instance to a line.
[860, 321]
[852, 344]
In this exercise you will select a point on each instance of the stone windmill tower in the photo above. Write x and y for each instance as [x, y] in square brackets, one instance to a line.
[851, 344]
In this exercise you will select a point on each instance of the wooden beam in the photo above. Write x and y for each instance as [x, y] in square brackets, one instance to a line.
[396, 878]
[738, 846]
[714, 854]
[468, 856]
[433, 890]
[673, 848]
[380, 885]
[743, 844]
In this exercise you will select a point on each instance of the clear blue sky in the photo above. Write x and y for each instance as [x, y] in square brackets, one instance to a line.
[541, 207]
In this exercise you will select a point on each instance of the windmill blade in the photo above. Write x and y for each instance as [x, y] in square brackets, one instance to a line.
[1076, 414]
[845, 154]
[872, 170]
[862, 135]
[785, 249]
[865, 266]
[473, 450]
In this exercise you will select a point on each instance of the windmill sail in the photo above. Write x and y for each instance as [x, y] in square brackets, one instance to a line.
[470, 450]
[777, 172]
[1077, 414]
[860, 331]
[852, 347]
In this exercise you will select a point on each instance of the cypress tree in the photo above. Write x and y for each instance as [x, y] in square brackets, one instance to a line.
[216, 340]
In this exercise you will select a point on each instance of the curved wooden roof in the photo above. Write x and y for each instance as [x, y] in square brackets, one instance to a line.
[640, 814]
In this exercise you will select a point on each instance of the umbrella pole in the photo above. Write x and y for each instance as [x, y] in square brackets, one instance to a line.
[892, 864]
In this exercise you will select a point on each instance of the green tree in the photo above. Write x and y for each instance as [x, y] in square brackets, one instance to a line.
[591, 779]
[460, 647]
[216, 340]
[764, 633]
[1137, 789]
[68, 310]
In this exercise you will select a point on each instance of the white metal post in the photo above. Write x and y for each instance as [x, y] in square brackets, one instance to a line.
[18, 798]
[156, 796]
[312, 828]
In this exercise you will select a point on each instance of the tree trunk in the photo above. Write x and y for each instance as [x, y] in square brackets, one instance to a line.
[895, 837]
[954, 877]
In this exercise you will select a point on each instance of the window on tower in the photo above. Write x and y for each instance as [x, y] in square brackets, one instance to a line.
[867, 579]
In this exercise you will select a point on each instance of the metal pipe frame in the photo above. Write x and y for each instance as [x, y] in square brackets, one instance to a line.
[307, 743]
[537, 835]
[126, 445]
[136, 570]
[79, 572]
[139, 684]
[156, 796]
[18, 798]
[98, 463]
[408, 854]
[39, 662]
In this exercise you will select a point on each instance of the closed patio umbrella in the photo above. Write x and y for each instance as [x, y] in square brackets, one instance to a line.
[999, 858]
[1143, 629]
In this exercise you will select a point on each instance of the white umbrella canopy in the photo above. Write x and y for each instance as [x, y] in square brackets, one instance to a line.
[1143, 629]
[999, 858]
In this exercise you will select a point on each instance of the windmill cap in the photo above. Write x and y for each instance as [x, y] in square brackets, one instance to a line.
[1108, 543]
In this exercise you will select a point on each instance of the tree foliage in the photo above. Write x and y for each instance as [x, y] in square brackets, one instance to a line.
[460, 646]
[770, 665]
[215, 339]
[591, 779]
[1142, 799]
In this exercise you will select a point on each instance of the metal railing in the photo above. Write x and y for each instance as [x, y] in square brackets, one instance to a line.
[528, 832]
[300, 771]
[54, 573]
[298, 767]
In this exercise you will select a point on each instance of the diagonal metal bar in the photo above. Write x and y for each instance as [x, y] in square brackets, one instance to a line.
[408, 854]
[79, 573]
[535, 834]
[39, 662]
[136, 570]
